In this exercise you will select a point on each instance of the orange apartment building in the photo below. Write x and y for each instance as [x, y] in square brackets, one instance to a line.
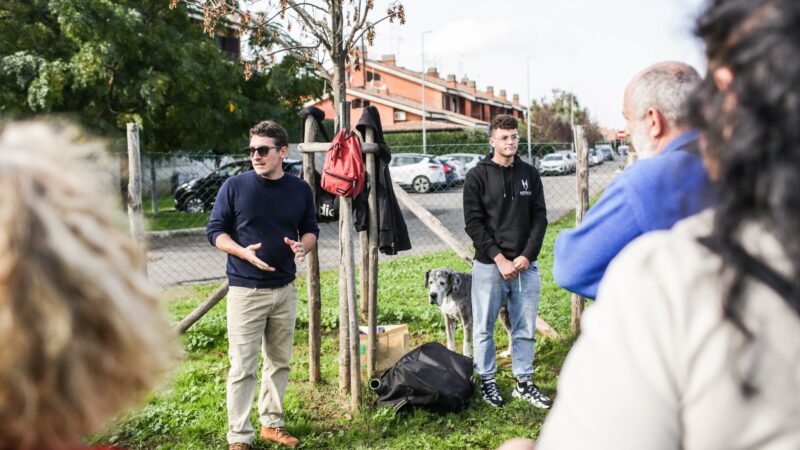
[450, 104]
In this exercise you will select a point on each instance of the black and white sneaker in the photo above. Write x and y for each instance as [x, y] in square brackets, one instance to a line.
[491, 393]
[531, 394]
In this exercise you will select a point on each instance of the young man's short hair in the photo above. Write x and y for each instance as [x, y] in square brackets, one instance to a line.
[268, 128]
[503, 122]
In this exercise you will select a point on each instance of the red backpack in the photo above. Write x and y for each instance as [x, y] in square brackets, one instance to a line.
[343, 172]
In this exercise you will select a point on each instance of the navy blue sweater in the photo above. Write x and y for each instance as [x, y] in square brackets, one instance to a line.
[252, 209]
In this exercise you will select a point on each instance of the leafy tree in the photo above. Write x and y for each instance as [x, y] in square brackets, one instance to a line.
[112, 62]
[551, 119]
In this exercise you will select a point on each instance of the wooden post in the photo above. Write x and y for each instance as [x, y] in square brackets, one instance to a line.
[344, 331]
[346, 216]
[461, 250]
[372, 263]
[434, 224]
[312, 268]
[135, 184]
[202, 309]
[582, 179]
[363, 238]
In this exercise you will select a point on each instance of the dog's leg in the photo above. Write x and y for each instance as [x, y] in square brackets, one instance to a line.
[450, 329]
[507, 325]
[467, 337]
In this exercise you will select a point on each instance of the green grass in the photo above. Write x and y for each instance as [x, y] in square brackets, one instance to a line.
[167, 218]
[189, 412]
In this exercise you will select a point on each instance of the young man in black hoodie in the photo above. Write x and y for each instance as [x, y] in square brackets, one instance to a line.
[506, 218]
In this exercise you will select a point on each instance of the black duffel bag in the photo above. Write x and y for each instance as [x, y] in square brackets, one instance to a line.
[430, 377]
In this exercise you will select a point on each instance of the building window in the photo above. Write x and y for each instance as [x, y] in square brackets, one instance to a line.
[372, 76]
[358, 103]
[229, 45]
[399, 116]
[450, 103]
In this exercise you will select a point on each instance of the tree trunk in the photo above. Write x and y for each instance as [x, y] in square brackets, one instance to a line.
[338, 57]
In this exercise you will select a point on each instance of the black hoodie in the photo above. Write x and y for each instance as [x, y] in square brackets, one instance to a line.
[504, 210]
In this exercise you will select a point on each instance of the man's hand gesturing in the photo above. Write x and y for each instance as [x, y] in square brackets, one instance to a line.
[249, 255]
[297, 248]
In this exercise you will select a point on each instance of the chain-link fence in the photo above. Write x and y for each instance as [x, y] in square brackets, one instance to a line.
[179, 191]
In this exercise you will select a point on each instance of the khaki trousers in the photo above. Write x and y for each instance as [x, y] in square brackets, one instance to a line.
[258, 318]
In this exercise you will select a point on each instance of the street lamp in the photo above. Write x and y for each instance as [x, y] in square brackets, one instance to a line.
[528, 67]
[424, 140]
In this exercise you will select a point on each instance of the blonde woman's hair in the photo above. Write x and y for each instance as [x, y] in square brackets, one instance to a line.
[81, 329]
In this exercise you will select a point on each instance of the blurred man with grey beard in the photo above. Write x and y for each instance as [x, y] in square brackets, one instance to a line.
[668, 184]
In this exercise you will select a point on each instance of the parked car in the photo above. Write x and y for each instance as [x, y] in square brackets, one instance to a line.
[557, 163]
[457, 167]
[595, 157]
[608, 154]
[573, 161]
[418, 172]
[622, 150]
[469, 160]
[198, 195]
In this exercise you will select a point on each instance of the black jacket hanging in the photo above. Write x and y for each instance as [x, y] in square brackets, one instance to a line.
[327, 204]
[392, 231]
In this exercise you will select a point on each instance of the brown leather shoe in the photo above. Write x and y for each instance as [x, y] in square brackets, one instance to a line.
[279, 435]
[238, 446]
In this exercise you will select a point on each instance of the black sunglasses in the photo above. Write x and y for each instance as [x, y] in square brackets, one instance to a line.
[262, 150]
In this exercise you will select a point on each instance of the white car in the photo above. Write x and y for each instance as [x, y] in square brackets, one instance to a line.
[469, 160]
[572, 158]
[557, 163]
[595, 157]
[419, 172]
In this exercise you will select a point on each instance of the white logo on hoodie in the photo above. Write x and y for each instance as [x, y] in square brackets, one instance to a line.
[524, 190]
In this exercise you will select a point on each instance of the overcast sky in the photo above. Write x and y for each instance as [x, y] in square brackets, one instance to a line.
[592, 47]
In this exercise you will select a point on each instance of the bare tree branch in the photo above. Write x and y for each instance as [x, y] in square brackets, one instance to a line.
[364, 30]
[361, 20]
[289, 49]
[314, 25]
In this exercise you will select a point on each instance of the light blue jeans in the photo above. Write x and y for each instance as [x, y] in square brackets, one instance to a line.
[488, 291]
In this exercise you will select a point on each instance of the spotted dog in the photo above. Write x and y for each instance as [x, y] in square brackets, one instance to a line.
[451, 291]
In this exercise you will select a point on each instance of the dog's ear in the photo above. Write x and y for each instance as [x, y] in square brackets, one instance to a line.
[454, 281]
[427, 276]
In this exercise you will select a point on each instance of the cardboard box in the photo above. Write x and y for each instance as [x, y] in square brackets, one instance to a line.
[392, 345]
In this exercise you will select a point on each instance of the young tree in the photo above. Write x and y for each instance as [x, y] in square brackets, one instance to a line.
[323, 33]
[552, 117]
[108, 63]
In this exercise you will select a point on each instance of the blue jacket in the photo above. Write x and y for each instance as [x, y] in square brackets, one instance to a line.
[650, 195]
[252, 209]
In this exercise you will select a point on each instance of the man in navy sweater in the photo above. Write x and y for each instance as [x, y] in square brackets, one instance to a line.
[667, 184]
[263, 219]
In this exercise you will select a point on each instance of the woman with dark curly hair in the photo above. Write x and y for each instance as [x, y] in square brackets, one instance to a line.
[696, 341]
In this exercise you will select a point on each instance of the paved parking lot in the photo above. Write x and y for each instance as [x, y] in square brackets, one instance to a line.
[190, 259]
